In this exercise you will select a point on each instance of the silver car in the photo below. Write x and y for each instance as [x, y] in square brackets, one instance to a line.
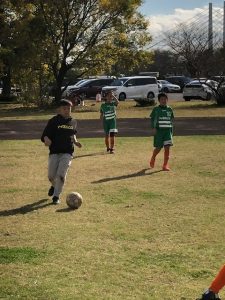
[167, 87]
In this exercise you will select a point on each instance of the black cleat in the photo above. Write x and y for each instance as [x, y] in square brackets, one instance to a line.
[55, 200]
[209, 295]
[51, 191]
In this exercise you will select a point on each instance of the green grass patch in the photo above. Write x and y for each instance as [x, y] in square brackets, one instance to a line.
[126, 109]
[19, 255]
[139, 234]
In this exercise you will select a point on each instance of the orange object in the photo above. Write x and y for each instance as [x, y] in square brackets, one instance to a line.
[219, 281]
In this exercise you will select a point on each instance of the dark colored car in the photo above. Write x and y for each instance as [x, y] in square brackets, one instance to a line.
[179, 80]
[90, 87]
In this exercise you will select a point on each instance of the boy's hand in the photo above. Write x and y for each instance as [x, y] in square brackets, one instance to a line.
[47, 141]
[78, 144]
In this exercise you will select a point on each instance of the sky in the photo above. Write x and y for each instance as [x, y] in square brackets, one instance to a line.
[166, 14]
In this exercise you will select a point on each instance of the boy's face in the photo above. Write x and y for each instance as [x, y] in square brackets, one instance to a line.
[65, 111]
[109, 96]
[163, 101]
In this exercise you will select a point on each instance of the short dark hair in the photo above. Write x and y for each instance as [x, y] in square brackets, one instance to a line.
[65, 102]
[160, 95]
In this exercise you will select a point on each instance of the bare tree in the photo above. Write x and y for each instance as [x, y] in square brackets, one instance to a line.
[191, 44]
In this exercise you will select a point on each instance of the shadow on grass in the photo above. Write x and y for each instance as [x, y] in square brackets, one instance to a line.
[136, 174]
[66, 209]
[26, 208]
[90, 154]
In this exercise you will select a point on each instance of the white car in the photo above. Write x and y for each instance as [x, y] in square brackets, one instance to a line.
[134, 87]
[198, 89]
[167, 87]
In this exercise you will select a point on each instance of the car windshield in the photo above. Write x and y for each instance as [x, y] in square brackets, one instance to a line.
[164, 82]
[81, 82]
[118, 82]
[85, 82]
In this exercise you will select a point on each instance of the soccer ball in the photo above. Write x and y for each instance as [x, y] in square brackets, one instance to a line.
[74, 200]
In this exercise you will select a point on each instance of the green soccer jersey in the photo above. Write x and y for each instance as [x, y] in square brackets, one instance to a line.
[108, 110]
[162, 117]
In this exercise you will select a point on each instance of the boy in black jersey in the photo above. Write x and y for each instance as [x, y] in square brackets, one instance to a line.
[60, 136]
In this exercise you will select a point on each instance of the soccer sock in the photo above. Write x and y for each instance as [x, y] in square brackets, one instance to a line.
[155, 152]
[219, 282]
[107, 141]
[166, 155]
[112, 141]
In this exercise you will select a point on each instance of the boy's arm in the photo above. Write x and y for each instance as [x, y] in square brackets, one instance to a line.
[101, 113]
[153, 118]
[116, 101]
[76, 142]
[46, 137]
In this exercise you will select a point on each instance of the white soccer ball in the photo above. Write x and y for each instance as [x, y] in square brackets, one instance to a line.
[74, 200]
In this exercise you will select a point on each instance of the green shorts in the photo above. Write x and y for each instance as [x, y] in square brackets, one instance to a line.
[163, 137]
[110, 126]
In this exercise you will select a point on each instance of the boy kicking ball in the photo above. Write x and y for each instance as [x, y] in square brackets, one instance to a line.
[162, 125]
[60, 136]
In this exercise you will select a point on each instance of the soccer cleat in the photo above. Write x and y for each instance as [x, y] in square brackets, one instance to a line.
[111, 151]
[55, 200]
[108, 149]
[166, 168]
[152, 163]
[209, 295]
[51, 191]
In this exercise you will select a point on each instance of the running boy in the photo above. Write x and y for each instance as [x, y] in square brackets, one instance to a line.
[217, 284]
[162, 125]
[108, 115]
[60, 136]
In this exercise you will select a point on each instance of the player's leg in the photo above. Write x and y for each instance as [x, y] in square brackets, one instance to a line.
[64, 164]
[219, 282]
[166, 158]
[167, 143]
[158, 144]
[112, 142]
[53, 162]
[112, 132]
[107, 138]
[107, 142]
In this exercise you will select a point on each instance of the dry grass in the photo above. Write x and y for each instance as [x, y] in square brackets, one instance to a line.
[140, 234]
[126, 109]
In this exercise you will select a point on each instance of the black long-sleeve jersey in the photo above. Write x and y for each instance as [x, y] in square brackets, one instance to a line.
[60, 131]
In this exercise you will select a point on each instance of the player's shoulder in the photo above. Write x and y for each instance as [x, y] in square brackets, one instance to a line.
[169, 107]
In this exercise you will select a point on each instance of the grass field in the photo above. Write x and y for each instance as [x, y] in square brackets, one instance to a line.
[140, 234]
[126, 109]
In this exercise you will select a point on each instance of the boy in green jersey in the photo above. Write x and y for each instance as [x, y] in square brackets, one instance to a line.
[162, 125]
[108, 116]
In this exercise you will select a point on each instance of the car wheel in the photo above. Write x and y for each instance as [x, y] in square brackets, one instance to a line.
[150, 95]
[187, 98]
[122, 97]
[165, 90]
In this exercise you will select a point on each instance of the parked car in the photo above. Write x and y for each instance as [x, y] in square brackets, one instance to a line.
[198, 89]
[167, 86]
[88, 88]
[134, 87]
[179, 80]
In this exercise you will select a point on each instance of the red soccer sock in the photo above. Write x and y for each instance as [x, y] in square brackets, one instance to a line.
[107, 142]
[166, 155]
[219, 281]
[112, 142]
